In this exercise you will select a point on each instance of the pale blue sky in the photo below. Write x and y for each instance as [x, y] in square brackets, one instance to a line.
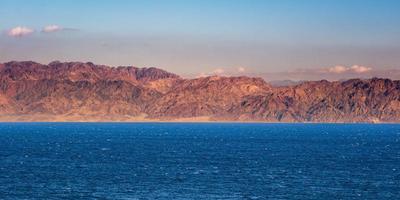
[191, 37]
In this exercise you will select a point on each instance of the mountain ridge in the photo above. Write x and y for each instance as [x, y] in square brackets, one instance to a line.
[78, 91]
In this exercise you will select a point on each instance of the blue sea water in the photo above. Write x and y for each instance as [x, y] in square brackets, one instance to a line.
[199, 161]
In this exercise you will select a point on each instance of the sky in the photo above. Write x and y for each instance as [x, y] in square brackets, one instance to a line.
[273, 39]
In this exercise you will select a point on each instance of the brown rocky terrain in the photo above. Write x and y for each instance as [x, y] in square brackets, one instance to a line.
[76, 91]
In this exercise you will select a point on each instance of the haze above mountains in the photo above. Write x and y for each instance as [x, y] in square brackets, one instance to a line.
[76, 91]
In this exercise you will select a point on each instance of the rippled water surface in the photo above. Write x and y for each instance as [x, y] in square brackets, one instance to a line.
[199, 161]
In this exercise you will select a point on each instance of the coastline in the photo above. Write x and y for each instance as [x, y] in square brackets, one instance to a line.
[142, 119]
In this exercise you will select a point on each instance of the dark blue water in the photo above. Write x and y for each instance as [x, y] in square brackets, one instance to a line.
[199, 161]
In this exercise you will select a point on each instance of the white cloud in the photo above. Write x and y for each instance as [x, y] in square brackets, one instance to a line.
[334, 73]
[360, 69]
[241, 69]
[52, 28]
[201, 75]
[353, 69]
[20, 31]
[218, 71]
[337, 69]
[222, 72]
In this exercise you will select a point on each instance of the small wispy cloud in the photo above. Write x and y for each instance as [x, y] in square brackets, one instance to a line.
[215, 72]
[226, 71]
[56, 28]
[20, 31]
[218, 71]
[360, 69]
[353, 69]
[241, 69]
[337, 72]
[201, 75]
[337, 69]
[52, 28]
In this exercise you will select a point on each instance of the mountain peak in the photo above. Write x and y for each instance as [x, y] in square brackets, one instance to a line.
[78, 71]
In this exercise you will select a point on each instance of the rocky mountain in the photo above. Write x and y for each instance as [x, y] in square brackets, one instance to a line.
[374, 100]
[75, 91]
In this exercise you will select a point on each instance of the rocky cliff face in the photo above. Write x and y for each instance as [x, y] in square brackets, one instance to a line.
[373, 100]
[209, 96]
[77, 91]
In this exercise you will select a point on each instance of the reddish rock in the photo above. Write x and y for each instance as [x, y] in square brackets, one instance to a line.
[29, 91]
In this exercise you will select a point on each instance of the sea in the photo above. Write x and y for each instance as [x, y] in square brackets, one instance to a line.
[199, 161]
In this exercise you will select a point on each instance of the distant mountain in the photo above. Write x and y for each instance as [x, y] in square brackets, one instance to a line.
[280, 83]
[76, 91]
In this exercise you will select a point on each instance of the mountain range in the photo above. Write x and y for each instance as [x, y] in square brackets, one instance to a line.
[77, 91]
